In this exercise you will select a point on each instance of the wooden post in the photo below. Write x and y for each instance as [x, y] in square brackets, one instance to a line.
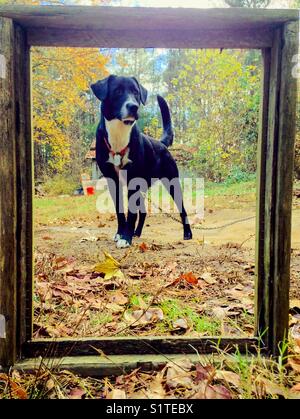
[8, 208]
[275, 193]
[24, 163]
[15, 193]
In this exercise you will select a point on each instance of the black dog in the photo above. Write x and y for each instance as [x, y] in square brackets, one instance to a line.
[121, 146]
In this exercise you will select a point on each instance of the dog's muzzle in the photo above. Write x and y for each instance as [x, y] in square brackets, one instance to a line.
[130, 120]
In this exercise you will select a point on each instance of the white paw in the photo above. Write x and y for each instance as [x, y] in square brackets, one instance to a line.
[117, 237]
[122, 244]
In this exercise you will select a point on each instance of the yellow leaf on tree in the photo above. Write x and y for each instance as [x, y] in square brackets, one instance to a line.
[110, 267]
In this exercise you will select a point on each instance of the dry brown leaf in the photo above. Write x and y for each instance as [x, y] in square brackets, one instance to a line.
[296, 388]
[141, 317]
[228, 376]
[16, 390]
[295, 332]
[263, 385]
[118, 297]
[50, 384]
[204, 373]
[207, 391]
[117, 394]
[115, 308]
[178, 374]
[219, 312]
[180, 324]
[155, 389]
[76, 393]
[208, 278]
[294, 363]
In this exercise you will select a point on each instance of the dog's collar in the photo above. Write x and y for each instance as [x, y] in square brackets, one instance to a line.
[117, 158]
[121, 153]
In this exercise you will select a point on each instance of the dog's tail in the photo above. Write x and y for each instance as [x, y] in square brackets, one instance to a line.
[168, 135]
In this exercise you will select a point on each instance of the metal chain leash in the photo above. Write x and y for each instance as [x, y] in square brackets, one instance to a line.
[241, 220]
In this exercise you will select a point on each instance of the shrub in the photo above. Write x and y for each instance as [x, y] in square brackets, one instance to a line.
[60, 185]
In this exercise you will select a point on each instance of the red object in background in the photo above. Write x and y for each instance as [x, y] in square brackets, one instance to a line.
[90, 190]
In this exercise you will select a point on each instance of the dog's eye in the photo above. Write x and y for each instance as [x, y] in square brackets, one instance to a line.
[118, 91]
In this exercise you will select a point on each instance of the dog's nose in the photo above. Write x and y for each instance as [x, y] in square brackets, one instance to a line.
[132, 108]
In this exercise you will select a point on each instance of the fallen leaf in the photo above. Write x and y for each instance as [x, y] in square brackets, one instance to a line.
[117, 394]
[115, 308]
[204, 373]
[118, 297]
[208, 278]
[50, 384]
[263, 385]
[143, 247]
[219, 312]
[207, 391]
[110, 267]
[89, 239]
[76, 393]
[142, 317]
[155, 389]
[228, 376]
[180, 324]
[296, 388]
[15, 389]
[294, 363]
[190, 278]
[178, 374]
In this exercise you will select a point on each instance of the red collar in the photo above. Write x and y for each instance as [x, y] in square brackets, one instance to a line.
[121, 153]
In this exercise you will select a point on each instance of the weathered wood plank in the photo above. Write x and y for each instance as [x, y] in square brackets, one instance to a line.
[284, 184]
[274, 235]
[24, 186]
[124, 346]
[114, 365]
[260, 280]
[8, 297]
[115, 38]
[145, 18]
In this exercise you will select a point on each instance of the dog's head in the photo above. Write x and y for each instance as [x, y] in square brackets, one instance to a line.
[121, 98]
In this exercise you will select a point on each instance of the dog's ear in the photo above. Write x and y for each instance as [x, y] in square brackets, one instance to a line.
[143, 92]
[100, 88]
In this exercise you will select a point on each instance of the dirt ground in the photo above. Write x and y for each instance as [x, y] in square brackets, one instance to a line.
[167, 286]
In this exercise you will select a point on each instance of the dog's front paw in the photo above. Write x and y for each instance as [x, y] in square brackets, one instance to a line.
[117, 237]
[122, 244]
[188, 235]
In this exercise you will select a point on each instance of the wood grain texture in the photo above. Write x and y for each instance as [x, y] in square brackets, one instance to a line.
[51, 348]
[261, 285]
[114, 365]
[114, 38]
[275, 193]
[24, 185]
[284, 184]
[8, 261]
[146, 18]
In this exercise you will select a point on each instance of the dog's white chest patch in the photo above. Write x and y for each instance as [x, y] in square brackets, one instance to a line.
[117, 159]
[118, 134]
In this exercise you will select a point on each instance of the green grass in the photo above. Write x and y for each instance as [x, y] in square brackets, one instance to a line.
[239, 188]
[176, 309]
[48, 210]
[56, 210]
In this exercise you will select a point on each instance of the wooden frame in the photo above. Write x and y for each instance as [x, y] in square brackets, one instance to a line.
[275, 32]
